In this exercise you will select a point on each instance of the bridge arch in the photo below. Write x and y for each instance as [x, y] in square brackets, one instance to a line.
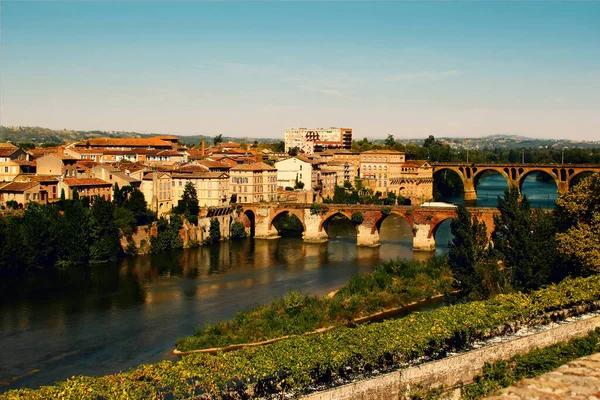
[249, 221]
[578, 176]
[448, 184]
[280, 213]
[401, 229]
[329, 216]
[525, 174]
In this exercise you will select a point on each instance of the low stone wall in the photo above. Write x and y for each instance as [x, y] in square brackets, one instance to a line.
[449, 371]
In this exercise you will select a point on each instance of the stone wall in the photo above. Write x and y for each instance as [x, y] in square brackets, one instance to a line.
[449, 371]
[189, 233]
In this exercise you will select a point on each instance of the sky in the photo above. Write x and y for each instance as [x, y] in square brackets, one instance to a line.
[253, 69]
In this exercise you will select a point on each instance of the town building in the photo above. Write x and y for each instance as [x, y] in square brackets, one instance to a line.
[292, 170]
[85, 187]
[157, 189]
[310, 140]
[252, 183]
[114, 175]
[48, 184]
[57, 165]
[13, 161]
[388, 171]
[23, 193]
[212, 188]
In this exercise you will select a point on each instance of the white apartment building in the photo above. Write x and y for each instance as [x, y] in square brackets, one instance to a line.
[309, 140]
[291, 170]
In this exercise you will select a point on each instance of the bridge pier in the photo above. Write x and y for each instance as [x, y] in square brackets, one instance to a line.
[421, 239]
[470, 193]
[312, 232]
[262, 230]
[367, 236]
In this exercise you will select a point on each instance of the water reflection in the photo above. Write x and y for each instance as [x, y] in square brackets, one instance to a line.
[121, 315]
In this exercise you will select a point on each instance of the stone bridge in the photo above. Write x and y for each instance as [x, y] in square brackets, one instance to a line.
[424, 221]
[515, 174]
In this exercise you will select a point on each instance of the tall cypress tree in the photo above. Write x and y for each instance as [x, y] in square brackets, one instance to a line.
[467, 249]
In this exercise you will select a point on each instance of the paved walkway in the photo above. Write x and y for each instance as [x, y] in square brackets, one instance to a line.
[578, 379]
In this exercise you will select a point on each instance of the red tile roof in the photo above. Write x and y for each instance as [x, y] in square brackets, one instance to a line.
[86, 182]
[18, 186]
[259, 166]
[213, 164]
[124, 142]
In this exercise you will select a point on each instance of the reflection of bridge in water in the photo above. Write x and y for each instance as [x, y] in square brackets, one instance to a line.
[563, 174]
[258, 219]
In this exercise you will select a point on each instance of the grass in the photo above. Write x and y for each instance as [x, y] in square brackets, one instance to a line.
[389, 285]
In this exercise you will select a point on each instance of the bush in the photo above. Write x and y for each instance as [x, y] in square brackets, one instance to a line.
[238, 230]
[357, 218]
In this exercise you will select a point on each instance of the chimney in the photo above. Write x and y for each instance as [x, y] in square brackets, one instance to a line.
[202, 149]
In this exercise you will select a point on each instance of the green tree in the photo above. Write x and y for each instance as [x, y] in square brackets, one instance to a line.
[578, 214]
[188, 205]
[104, 234]
[218, 139]
[238, 230]
[124, 219]
[525, 239]
[294, 151]
[466, 250]
[390, 141]
[136, 203]
[214, 231]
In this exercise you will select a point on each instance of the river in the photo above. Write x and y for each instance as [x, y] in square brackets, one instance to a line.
[121, 315]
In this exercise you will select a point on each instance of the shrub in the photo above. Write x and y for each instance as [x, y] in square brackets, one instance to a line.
[357, 218]
[238, 230]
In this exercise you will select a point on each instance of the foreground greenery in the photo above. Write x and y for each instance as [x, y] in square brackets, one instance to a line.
[296, 363]
[393, 284]
[504, 373]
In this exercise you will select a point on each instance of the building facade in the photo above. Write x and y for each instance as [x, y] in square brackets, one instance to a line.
[310, 141]
[212, 188]
[292, 170]
[253, 183]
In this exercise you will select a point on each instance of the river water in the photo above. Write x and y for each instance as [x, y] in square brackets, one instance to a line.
[121, 315]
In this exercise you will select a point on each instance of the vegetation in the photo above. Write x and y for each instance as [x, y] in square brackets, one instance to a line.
[470, 260]
[504, 373]
[168, 235]
[214, 232]
[188, 205]
[68, 234]
[298, 362]
[357, 218]
[238, 230]
[390, 285]
[578, 215]
[288, 224]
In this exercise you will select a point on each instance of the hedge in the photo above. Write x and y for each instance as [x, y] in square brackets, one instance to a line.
[300, 362]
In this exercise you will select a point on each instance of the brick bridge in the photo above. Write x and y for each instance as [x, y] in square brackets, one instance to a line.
[424, 221]
[515, 174]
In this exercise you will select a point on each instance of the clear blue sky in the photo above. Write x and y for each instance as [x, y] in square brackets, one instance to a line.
[255, 68]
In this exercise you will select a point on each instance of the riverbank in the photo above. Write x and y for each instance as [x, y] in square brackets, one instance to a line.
[389, 286]
[297, 364]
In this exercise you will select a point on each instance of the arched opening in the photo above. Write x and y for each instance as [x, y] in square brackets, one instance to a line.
[489, 185]
[287, 224]
[395, 230]
[540, 189]
[339, 228]
[443, 237]
[249, 222]
[576, 179]
[448, 186]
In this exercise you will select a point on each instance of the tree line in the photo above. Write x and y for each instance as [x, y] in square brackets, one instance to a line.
[530, 247]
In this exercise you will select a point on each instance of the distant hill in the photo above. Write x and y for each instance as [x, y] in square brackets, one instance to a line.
[49, 137]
